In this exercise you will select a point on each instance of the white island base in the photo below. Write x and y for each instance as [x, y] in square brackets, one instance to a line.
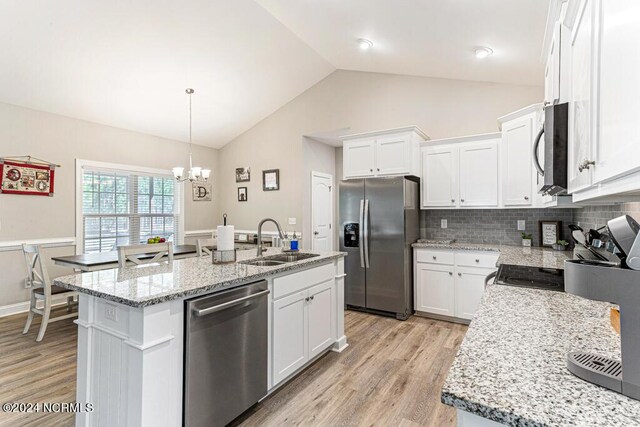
[130, 359]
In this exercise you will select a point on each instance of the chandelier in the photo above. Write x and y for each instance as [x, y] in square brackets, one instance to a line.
[195, 173]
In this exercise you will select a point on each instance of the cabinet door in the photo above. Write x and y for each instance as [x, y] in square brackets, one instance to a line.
[469, 288]
[517, 162]
[321, 309]
[359, 158]
[393, 155]
[618, 142]
[439, 177]
[581, 105]
[435, 289]
[552, 68]
[479, 174]
[290, 350]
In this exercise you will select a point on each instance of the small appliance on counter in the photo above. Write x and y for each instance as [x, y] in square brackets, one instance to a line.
[617, 283]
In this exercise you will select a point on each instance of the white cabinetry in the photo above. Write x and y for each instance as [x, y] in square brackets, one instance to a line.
[552, 68]
[450, 282]
[479, 174]
[305, 311]
[460, 172]
[604, 138]
[382, 153]
[517, 161]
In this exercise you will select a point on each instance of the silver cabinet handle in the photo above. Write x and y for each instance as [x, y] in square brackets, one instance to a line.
[462, 200]
[307, 299]
[315, 233]
[370, 170]
[366, 233]
[204, 311]
[526, 197]
[477, 260]
[459, 274]
[450, 273]
[434, 257]
[311, 297]
[361, 233]
[586, 164]
[453, 200]
[378, 169]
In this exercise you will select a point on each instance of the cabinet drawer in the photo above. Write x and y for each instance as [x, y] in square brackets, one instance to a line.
[484, 259]
[435, 256]
[302, 280]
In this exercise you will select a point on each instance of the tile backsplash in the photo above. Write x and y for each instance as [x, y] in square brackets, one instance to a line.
[499, 226]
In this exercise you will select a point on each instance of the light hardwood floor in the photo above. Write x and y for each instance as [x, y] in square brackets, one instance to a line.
[390, 375]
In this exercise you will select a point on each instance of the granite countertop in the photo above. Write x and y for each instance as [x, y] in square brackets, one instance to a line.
[511, 366]
[514, 255]
[151, 284]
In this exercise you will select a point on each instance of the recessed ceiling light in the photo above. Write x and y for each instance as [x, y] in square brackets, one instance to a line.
[365, 44]
[483, 52]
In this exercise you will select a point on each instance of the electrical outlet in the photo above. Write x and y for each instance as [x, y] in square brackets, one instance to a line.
[292, 221]
[111, 312]
[521, 225]
[443, 223]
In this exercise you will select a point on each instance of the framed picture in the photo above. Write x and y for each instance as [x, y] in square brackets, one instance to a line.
[26, 178]
[550, 232]
[271, 180]
[242, 194]
[202, 192]
[243, 174]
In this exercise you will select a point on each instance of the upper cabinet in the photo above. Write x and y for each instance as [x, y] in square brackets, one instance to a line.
[604, 139]
[517, 160]
[460, 172]
[383, 153]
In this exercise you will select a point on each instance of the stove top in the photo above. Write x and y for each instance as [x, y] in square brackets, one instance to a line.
[530, 277]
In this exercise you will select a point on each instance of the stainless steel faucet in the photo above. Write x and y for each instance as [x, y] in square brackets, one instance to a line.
[260, 248]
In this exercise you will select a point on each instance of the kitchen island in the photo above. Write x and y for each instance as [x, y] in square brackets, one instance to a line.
[131, 327]
[511, 366]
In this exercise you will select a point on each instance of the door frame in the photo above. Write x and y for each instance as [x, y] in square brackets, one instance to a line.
[317, 174]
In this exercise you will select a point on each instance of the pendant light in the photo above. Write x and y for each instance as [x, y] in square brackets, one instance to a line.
[195, 174]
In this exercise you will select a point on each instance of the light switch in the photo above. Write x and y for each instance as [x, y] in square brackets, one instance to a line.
[292, 221]
[443, 223]
[521, 225]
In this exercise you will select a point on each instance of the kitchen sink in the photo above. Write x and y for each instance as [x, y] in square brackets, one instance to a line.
[273, 260]
[292, 257]
[263, 262]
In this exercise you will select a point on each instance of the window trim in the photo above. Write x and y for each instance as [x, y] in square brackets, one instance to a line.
[82, 164]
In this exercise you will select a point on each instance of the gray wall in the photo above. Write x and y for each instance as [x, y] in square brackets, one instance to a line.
[362, 102]
[62, 140]
[492, 226]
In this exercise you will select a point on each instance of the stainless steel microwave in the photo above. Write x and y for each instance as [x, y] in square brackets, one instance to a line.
[553, 170]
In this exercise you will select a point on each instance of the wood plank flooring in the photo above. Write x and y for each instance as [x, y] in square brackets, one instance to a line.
[390, 375]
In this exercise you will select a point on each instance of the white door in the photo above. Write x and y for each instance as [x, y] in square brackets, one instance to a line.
[581, 105]
[359, 158]
[290, 350]
[469, 289]
[517, 162]
[321, 317]
[435, 289]
[618, 144]
[479, 174]
[393, 155]
[439, 176]
[321, 212]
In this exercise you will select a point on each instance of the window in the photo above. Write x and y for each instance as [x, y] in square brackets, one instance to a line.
[123, 207]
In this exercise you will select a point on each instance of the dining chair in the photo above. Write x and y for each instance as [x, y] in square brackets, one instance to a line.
[203, 245]
[132, 253]
[42, 290]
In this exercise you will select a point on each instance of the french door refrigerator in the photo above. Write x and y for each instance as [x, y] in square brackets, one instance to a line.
[379, 220]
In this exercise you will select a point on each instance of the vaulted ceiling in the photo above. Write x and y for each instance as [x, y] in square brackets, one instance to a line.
[127, 64]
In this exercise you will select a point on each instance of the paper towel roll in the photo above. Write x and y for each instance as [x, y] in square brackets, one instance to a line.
[225, 237]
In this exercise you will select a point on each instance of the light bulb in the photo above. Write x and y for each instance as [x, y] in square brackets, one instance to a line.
[206, 173]
[196, 171]
[483, 52]
[177, 172]
[365, 44]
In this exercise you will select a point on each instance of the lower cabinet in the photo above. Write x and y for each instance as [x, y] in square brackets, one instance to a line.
[303, 327]
[451, 284]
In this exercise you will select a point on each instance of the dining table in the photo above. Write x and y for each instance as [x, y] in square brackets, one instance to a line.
[105, 260]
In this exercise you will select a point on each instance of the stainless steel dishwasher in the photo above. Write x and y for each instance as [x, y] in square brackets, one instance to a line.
[225, 369]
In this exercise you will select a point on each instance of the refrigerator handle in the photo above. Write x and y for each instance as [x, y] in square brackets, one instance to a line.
[366, 233]
[361, 233]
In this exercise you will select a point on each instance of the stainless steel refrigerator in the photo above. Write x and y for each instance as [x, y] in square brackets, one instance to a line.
[379, 220]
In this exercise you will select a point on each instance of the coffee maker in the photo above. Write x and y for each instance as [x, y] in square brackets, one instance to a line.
[618, 283]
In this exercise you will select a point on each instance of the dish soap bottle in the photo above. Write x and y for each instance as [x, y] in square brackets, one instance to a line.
[294, 242]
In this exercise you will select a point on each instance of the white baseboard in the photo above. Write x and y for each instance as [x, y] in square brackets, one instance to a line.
[23, 307]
